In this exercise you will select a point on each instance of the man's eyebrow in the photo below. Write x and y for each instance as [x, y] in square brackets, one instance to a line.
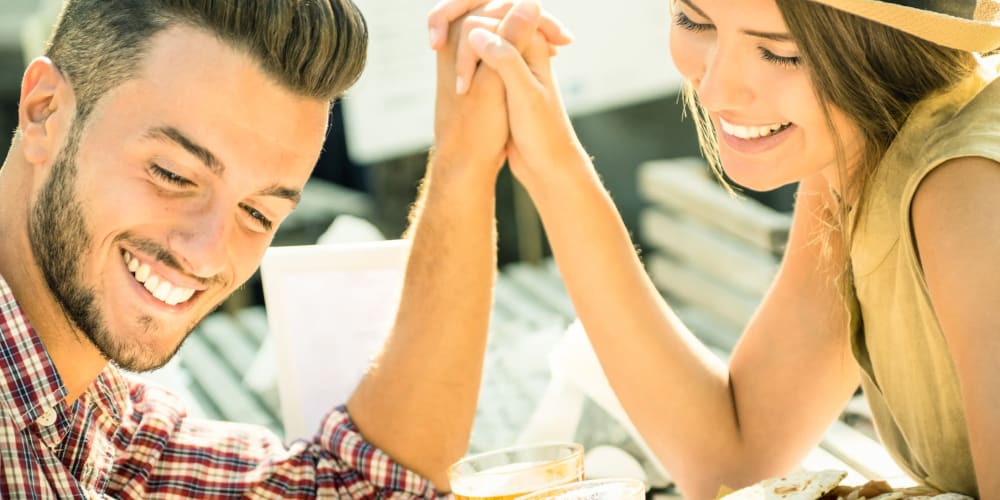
[291, 194]
[171, 134]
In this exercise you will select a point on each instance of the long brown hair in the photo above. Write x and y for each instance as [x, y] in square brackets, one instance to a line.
[874, 74]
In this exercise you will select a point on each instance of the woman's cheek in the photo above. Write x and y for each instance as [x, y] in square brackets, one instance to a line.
[688, 54]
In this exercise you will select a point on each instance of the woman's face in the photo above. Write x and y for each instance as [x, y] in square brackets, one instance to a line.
[749, 75]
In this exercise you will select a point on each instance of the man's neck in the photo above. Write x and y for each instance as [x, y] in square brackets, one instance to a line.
[77, 361]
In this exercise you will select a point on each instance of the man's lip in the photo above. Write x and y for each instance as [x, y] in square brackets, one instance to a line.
[170, 274]
[156, 303]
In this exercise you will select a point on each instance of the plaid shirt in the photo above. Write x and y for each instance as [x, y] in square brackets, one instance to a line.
[124, 439]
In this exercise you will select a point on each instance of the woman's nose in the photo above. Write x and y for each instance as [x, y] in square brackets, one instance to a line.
[722, 85]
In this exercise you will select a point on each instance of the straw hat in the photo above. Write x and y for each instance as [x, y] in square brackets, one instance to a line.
[972, 25]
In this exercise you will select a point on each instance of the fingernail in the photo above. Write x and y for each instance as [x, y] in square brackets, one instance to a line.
[435, 36]
[460, 86]
[566, 32]
[479, 39]
[526, 11]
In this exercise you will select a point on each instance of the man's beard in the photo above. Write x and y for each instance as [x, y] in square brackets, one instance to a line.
[61, 240]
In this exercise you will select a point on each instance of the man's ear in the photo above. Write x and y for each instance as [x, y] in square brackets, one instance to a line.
[46, 109]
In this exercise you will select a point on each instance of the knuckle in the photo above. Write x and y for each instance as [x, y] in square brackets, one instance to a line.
[472, 22]
[466, 63]
[538, 40]
[505, 54]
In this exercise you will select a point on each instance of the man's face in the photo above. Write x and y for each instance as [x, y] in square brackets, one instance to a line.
[165, 201]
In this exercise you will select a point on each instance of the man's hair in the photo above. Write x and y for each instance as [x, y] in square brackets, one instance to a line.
[314, 48]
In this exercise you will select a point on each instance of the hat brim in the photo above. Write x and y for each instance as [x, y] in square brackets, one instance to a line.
[950, 31]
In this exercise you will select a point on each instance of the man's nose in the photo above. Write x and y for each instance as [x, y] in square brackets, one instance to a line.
[201, 244]
[723, 82]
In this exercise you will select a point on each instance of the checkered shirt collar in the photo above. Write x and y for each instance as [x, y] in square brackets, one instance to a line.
[29, 382]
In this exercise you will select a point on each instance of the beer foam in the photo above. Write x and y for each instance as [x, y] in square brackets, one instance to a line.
[595, 490]
[605, 491]
[510, 479]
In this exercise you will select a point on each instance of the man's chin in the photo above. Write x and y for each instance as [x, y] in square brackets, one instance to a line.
[141, 365]
[140, 358]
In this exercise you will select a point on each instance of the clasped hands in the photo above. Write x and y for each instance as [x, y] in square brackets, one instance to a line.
[497, 96]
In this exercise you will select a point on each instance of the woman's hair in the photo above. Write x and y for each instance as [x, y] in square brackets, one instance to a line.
[874, 74]
[315, 48]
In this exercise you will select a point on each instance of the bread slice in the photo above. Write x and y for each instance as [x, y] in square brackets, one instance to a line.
[802, 485]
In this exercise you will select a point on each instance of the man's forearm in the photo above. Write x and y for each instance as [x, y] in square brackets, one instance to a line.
[418, 401]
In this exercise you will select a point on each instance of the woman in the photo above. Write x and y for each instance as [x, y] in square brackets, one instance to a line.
[890, 123]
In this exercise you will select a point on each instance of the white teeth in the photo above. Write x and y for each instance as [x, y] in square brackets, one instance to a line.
[177, 296]
[152, 283]
[159, 287]
[142, 274]
[162, 291]
[752, 131]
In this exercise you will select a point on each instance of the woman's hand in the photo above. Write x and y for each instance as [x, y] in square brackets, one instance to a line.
[543, 148]
[471, 128]
[441, 20]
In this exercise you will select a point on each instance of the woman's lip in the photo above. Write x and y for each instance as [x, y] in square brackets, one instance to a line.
[755, 146]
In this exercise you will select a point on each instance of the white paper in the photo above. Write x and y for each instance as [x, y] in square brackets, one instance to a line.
[330, 310]
[620, 57]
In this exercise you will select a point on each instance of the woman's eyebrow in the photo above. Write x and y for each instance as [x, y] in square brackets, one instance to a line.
[778, 37]
[694, 8]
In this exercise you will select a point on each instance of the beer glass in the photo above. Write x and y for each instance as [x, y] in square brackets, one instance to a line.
[512, 472]
[597, 489]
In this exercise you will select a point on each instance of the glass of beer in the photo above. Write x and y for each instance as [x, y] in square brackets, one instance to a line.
[597, 489]
[513, 472]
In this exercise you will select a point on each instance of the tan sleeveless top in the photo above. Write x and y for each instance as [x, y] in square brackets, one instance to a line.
[907, 370]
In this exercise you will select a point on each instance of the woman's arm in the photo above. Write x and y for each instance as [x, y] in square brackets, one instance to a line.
[791, 373]
[957, 229]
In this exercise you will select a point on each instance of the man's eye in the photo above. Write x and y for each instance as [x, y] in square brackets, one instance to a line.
[265, 223]
[169, 176]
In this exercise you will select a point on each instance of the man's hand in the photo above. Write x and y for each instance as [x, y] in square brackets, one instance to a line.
[471, 130]
[543, 144]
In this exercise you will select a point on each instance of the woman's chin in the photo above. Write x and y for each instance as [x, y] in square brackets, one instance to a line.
[753, 177]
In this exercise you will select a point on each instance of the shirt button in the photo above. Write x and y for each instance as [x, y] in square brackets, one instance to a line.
[47, 418]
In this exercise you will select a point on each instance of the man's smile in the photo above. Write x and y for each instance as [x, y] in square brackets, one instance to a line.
[159, 287]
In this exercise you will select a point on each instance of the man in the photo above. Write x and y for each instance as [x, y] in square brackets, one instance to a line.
[160, 144]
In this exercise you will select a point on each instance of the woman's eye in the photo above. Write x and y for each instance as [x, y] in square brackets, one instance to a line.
[682, 20]
[264, 222]
[169, 176]
[791, 62]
